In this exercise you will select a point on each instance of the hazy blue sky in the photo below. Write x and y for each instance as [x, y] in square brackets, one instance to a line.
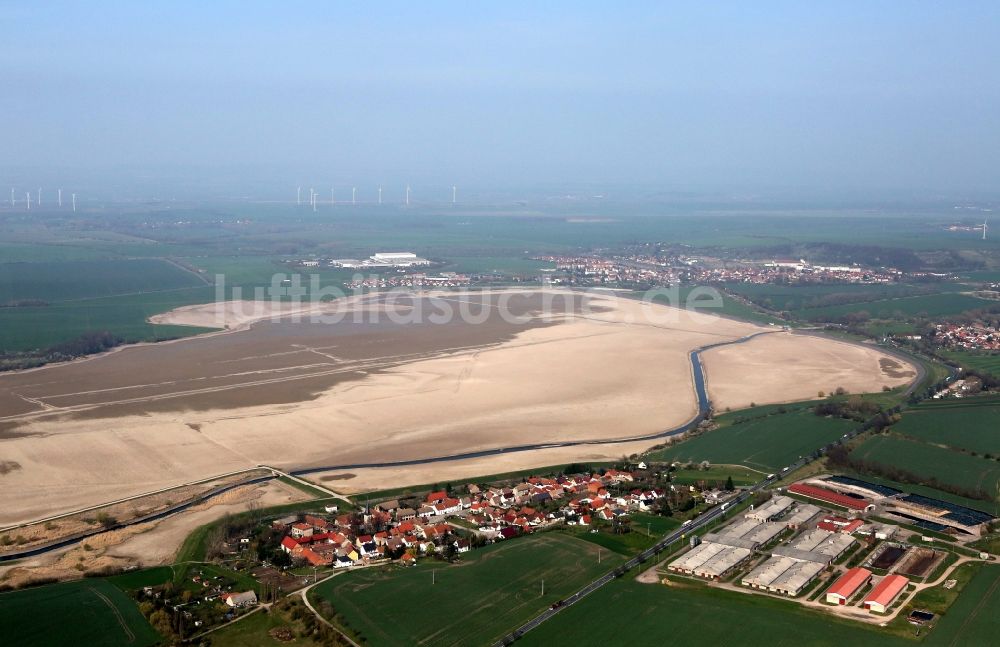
[865, 94]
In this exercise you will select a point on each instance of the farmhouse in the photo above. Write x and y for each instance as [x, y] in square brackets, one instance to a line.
[847, 585]
[885, 592]
[244, 599]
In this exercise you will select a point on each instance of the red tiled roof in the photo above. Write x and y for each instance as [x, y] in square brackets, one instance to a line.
[887, 590]
[829, 496]
[849, 583]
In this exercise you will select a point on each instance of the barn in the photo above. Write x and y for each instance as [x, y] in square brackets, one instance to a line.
[847, 585]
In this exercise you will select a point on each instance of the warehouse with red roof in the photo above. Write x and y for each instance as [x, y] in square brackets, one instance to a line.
[829, 496]
[885, 592]
[847, 585]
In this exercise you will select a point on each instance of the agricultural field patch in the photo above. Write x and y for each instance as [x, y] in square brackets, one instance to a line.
[767, 443]
[471, 603]
[944, 465]
[980, 361]
[806, 297]
[29, 328]
[972, 619]
[935, 305]
[628, 612]
[75, 280]
[89, 612]
[966, 424]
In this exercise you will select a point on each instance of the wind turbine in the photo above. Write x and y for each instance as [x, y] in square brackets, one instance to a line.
[333, 199]
[39, 196]
[60, 197]
[298, 196]
[74, 202]
[12, 196]
[354, 195]
[27, 195]
[379, 193]
[407, 195]
[985, 222]
[454, 193]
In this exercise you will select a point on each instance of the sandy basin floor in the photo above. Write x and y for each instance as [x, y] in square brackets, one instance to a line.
[297, 394]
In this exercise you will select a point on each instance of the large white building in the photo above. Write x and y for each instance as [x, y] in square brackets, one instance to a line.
[398, 259]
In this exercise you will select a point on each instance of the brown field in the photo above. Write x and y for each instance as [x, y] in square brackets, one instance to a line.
[297, 394]
[748, 373]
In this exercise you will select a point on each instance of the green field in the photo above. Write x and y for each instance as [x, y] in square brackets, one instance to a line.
[945, 465]
[24, 329]
[90, 612]
[716, 473]
[935, 305]
[76, 280]
[487, 265]
[986, 362]
[973, 618]
[969, 424]
[766, 443]
[801, 298]
[146, 577]
[626, 612]
[471, 603]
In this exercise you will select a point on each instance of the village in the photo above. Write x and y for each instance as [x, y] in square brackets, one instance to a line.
[641, 268]
[974, 336]
[281, 555]
[446, 523]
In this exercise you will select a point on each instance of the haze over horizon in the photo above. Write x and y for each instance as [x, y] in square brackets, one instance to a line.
[862, 98]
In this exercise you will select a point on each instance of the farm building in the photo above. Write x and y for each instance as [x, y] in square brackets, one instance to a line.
[777, 506]
[802, 514]
[934, 514]
[244, 599]
[782, 575]
[746, 534]
[709, 560]
[816, 545]
[878, 530]
[847, 585]
[885, 592]
[829, 496]
[856, 486]
[834, 523]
